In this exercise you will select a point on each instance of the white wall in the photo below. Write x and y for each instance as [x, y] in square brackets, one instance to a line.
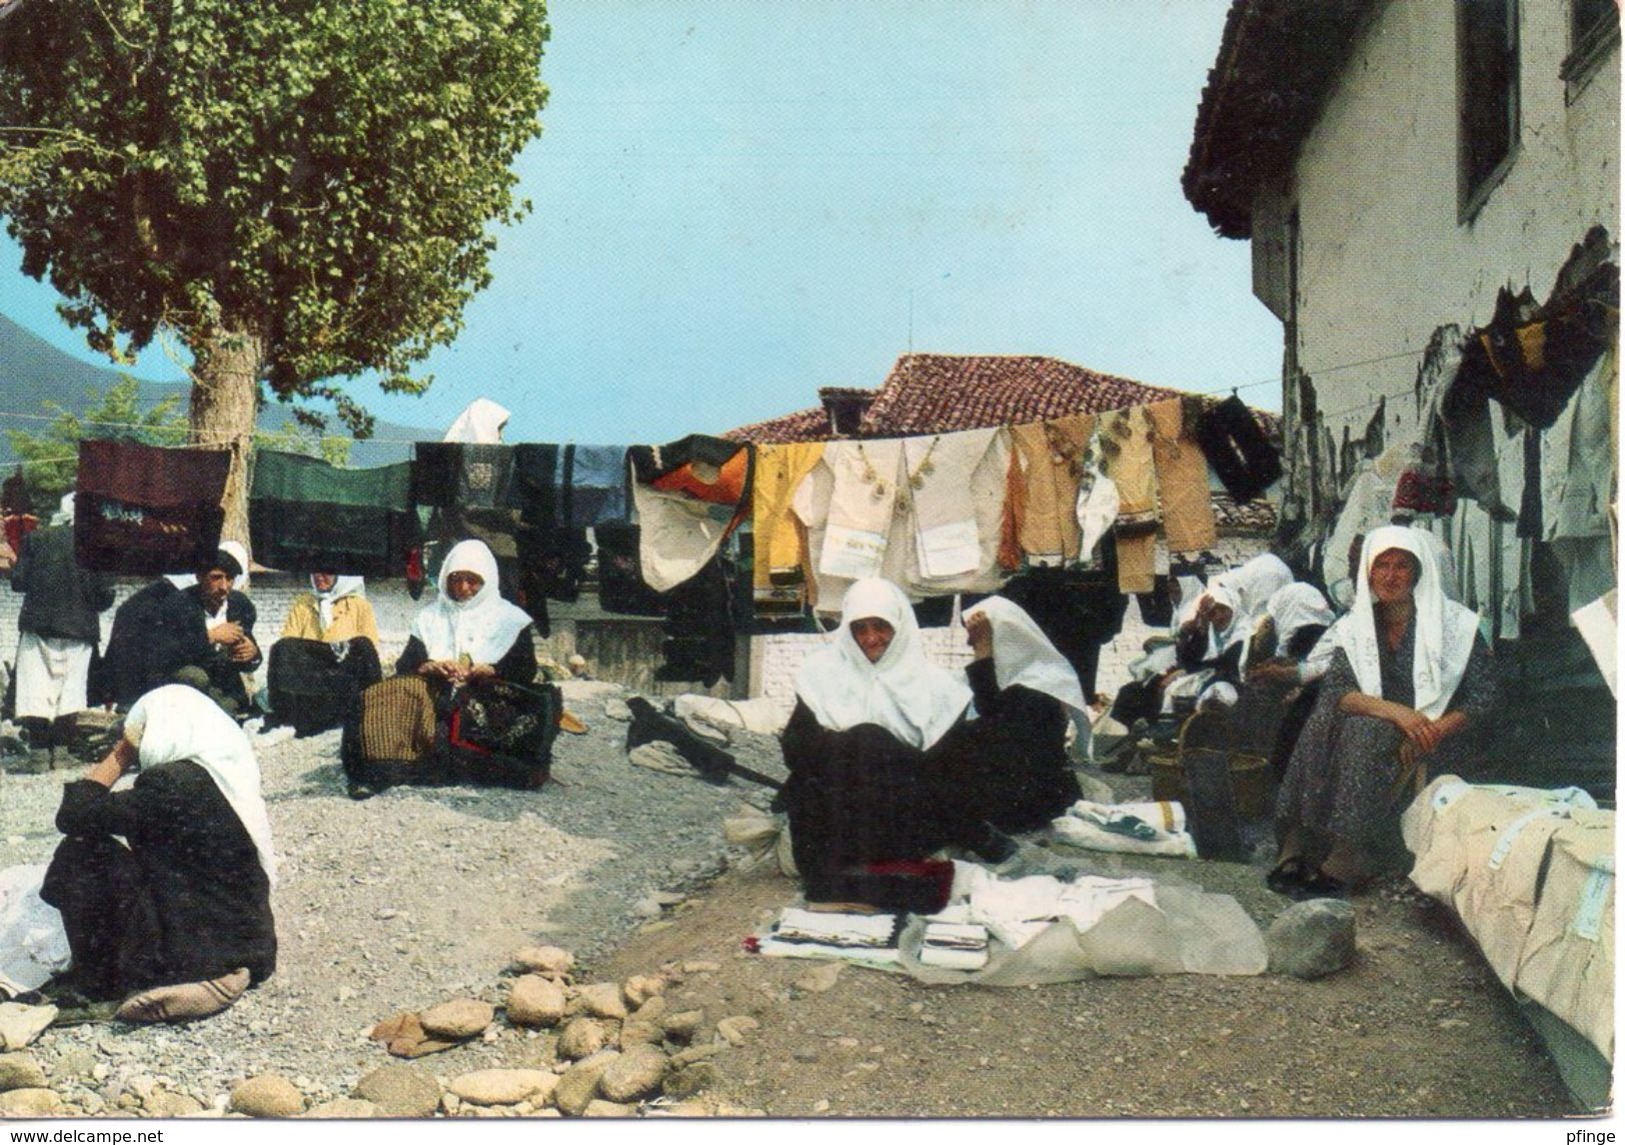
[1384, 259]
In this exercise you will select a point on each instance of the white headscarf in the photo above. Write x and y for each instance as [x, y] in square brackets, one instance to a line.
[905, 693]
[1444, 629]
[482, 627]
[1297, 606]
[1023, 655]
[480, 423]
[342, 587]
[175, 722]
[1245, 591]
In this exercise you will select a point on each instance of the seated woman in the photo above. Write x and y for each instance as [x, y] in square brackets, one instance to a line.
[177, 915]
[1276, 651]
[1409, 676]
[1007, 766]
[462, 706]
[869, 706]
[327, 654]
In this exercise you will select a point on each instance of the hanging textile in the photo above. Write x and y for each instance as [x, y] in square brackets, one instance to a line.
[1052, 462]
[569, 486]
[144, 510]
[699, 629]
[955, 501]
[621, 587]
[778, 577]
[1181, 467]
[1237, 449]
[862, 501]
[1125, 444]
[305, 515]
[689, 496]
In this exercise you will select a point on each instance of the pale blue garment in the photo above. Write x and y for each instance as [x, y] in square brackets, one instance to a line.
[598, 482]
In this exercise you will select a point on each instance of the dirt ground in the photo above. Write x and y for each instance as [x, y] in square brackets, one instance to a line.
[1417, 1027]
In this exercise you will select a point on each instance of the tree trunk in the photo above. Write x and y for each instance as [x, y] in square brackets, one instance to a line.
[224, 400]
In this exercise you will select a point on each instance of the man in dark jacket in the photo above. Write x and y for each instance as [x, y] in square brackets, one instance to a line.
[59, 628]
[204, 636]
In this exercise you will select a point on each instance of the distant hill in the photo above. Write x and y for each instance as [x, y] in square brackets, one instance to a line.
[33, 372]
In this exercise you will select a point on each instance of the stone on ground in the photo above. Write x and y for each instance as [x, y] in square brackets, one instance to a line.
[609, 1109]
[579, 1084]
[458, 1018]
[165, 1103]
[639, 988]
[535, 1000]
[581, 1038]
[267, 1095]
[682, 1081]
[683, 1025]
[602, 1000]
[549, 960]
[21, 1024]
[345, 1109]
[20, 1071]
[400, 1091]
[736, 1029]
[1312, 939]
[634, 1075]
[504, 1086]
[638, 1032]
[32, 1102]
[820, 979]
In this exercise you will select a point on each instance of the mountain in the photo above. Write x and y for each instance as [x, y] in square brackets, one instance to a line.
[33, 372]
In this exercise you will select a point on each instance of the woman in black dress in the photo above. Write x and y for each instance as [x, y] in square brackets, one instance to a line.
[176, 918]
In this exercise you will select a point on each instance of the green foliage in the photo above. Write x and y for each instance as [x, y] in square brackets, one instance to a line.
[51, 457]
[318, 174]
[296, 438]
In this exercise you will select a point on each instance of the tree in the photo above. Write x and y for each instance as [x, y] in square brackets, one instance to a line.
[51, 458]
[300, 191]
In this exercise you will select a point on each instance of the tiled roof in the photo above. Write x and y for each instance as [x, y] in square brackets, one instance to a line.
[803, 425]
[942, 393]
[1277, 60]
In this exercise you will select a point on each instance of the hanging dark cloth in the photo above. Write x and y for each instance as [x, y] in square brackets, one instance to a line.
[621, 588]
[699, 626]
[308, 516]
[570, 486]
[1237, 450]
[1156, 606]
[142, 510]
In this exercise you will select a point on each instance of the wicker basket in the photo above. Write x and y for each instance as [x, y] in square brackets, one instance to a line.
[1249, 779]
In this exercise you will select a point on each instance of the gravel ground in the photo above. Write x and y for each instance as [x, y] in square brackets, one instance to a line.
[409, 898]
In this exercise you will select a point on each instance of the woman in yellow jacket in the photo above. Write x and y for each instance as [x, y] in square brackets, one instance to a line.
[328, 653]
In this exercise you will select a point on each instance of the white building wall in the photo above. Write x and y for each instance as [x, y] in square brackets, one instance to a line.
[1384, 260]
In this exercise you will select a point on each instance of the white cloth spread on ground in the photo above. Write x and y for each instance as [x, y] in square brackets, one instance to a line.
[175, 723]
[1444, 630]
[482, 627]
[856, 937]
[51, 675]
[1156, 828]
[905, 693]
[954, 945]
[1017, 910]
[33, 943]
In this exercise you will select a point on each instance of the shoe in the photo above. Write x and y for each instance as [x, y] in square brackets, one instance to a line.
[1286, 876]
[1320, 885]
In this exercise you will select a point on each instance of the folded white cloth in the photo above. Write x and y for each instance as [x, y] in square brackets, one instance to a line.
[1127, 828]
[836, 927]
[1017, 910]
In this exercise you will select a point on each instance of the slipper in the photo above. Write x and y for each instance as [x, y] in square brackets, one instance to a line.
[1320, 885]
[1287, 876]
[570, 722]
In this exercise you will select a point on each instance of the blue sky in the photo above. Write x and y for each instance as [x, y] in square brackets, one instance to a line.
[737, 203]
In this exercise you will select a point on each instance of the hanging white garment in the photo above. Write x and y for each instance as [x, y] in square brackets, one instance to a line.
[912, 698]
[862, 502]
[480, 423]
[1443, 629]
[175, 723]
[1098, 506]
[955, 491]
[484, 627]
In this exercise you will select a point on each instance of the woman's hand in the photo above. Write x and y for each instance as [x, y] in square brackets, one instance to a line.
[445, 669]
[979, 634]
[479, 672]
[1278, 671]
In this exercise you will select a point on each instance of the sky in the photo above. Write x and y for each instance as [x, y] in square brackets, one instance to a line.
[737, 203]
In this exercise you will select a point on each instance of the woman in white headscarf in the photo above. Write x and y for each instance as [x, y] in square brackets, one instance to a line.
[164, 884]
[1007, 766]
[869, 707]
[327, 654]
[1409, 676]
[473, 654]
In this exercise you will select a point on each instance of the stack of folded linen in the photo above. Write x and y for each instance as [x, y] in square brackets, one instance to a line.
[856, 937]
[954, 945]
[1155, 828]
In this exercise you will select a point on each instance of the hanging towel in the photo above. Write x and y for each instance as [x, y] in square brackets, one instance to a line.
[1181, 468]
[1054, 455]
[144, 511]
[689, 495]
[308, 516]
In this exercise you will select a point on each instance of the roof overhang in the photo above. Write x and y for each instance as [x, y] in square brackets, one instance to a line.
[1277, 61]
